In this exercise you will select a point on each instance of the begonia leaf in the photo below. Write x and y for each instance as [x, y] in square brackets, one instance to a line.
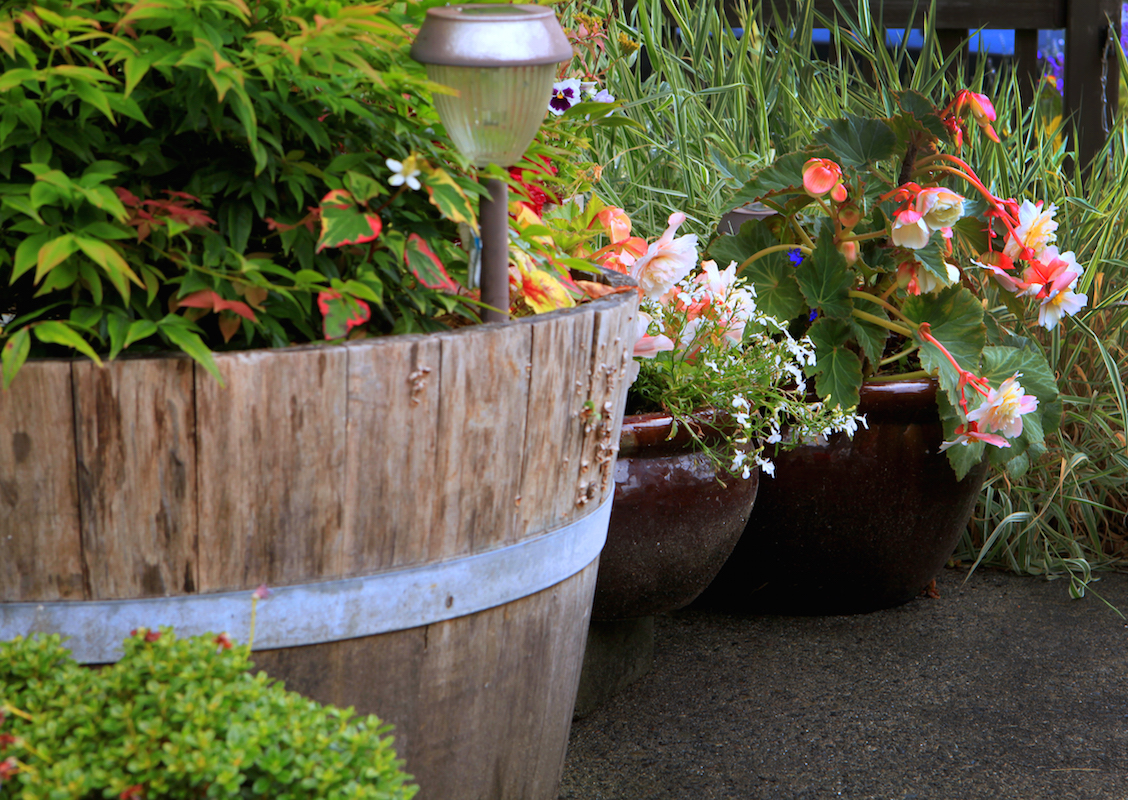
[837, 370]
[825, 278]
[857, 141]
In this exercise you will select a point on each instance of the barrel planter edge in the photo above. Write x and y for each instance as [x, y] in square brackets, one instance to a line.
[335, 465]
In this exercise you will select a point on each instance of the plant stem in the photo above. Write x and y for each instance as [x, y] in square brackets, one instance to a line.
[904, 353]
[865, 237]
[860, 295]
[903, 376]
[873, 319]
[775, 248]
[802, 233]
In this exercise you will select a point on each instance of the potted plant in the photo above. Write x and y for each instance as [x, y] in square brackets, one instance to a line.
[263, 189]
[178, 718]
[888, 248]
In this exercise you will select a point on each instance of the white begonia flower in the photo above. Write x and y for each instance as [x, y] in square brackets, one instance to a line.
[403, 172]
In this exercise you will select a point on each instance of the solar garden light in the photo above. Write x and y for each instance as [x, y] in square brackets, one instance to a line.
[502, 60]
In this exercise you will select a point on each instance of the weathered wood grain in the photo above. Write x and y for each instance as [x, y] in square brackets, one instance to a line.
[482, 704]
[39, 523]
[393, 430]
[271, 468]
[612, 344]
[135, 437]
[561, 359]
[482, 406]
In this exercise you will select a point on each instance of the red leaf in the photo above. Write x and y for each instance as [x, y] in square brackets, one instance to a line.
[425, 265]
[340, 315]
[207, 299]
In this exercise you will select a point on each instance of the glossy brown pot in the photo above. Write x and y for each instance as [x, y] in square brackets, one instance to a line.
[850, 526]
[672, 525]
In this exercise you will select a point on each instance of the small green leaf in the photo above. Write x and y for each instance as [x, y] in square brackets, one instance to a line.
[177, 330]
[15, 353]
[59, 332]
[54, 253]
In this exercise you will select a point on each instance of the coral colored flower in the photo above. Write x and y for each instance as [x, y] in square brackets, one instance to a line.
[1003, 409]
[666, 261]
[565, 94]
[616, 222]
[971, 433]
[821, 175]
[909, 230]
[981, 108]
[940, 207]
[1035, 231]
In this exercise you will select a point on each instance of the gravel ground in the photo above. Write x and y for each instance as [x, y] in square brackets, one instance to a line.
[1002, 688]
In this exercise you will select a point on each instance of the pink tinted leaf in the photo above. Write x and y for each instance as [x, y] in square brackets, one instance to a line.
[341, 314]
[426, 266]
[344, 222]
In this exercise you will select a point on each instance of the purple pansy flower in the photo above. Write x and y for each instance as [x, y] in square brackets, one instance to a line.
[565, 94]
[603, 96]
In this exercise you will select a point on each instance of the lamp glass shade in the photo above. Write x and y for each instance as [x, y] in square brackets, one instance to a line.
[497, 111]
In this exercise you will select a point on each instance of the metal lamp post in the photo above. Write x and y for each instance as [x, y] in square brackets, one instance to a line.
[501, 59]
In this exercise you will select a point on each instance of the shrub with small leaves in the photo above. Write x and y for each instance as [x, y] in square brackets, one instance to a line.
[178, 718]
[218, 174]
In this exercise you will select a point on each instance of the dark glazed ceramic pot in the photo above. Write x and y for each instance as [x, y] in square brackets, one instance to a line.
[672, 523]
[850, 526]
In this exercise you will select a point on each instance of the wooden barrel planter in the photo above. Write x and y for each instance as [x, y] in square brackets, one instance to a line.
[427, 511]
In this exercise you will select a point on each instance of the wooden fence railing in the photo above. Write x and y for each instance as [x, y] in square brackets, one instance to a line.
[1092, 69]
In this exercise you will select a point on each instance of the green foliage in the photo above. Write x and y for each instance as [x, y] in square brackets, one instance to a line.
[150, 152]
[178, 718]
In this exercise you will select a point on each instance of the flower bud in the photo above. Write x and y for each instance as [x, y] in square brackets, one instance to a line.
[849, 215]
[849, 250]
[821, 175]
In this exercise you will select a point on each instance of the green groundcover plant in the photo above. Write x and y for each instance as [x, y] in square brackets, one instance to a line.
[178, 718]
[217, 174]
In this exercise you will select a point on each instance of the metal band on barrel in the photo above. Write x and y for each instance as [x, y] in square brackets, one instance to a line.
[328, 611]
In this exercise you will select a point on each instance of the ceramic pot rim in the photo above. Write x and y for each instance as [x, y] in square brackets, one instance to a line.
[915, 394]
[652, 430]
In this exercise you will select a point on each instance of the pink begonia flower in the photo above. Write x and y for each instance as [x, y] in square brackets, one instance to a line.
[1034, 233]
[647, 346]
[1059, 303]
[921, 281]
[941, 208]
[971, 433]
[821, 175]
[666, 261]
[616, 222]
[909, 229]
[1003, 409]
[718, 282]
[981, 109]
